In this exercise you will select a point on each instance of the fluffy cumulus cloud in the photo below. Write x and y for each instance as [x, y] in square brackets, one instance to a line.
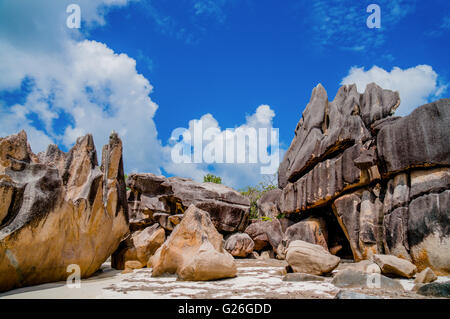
[71, 86]
[242, 155]
[66, 86]
[416, 85]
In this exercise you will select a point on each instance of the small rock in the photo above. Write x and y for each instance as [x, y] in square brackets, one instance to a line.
[297, 276]
[345, 294]
[264, 255]
[365, 266]
[130, 265]
[391, 265]
[356, 279]
[425, 276]
[435, 289]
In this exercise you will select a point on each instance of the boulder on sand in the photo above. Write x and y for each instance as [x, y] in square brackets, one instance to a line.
[194, 250]
[309, 258]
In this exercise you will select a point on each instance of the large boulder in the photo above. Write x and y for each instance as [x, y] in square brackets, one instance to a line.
[62, 209]
[265, 233]
[417, 140]
[138, 246]
[239, 245]
[229, 210]
[194, 250]
[309, 258]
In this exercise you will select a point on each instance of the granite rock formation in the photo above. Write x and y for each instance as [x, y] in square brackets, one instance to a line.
[58, 209]
[164, 200]
[386, 179]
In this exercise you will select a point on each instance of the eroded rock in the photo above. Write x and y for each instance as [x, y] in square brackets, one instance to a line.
[59, 215]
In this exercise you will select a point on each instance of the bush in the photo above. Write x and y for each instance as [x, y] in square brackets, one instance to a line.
[212, 179]
[253, 193]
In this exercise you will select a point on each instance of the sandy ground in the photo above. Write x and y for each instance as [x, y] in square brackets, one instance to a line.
[256, 279]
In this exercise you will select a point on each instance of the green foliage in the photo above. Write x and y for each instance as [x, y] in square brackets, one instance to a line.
[212, 179]
[253, 193]
[125, 177]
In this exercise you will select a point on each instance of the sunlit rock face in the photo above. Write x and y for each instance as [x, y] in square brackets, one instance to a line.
[58, 209]
[386, 179]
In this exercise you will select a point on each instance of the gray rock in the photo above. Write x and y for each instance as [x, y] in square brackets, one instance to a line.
[417, 140]
[331, 127]
[435, 289]
[228, 208]
[265, 233]
[346, 294]
[302, 277]
[268, 203]
[355, 279]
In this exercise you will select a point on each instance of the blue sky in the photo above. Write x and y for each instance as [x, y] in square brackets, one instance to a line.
[221, 59]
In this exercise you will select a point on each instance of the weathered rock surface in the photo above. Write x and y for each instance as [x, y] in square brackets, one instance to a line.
[386, 178]
[365, 266]
[58, 209]
[312, 230]
[297, 276]
[346, 294]
[417, 140]
[265, 233]
[391, 265]
[435, 289]
[239, 245]
[268, 203]
[194, 250]
[308, 258]
[355, 279]
[160, 195]
[425, 276]
[330, 127]
[139, 245]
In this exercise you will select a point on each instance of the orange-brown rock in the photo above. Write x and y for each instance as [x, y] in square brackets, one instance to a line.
[194, 250]
[61, 209]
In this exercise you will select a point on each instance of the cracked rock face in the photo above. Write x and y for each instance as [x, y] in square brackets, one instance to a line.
[157, 198]
[58, 209]
[386, 178]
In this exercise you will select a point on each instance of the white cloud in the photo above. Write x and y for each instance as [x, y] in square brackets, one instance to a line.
[417, 85]
[76, 86]
[239, 171]
[85, 83]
